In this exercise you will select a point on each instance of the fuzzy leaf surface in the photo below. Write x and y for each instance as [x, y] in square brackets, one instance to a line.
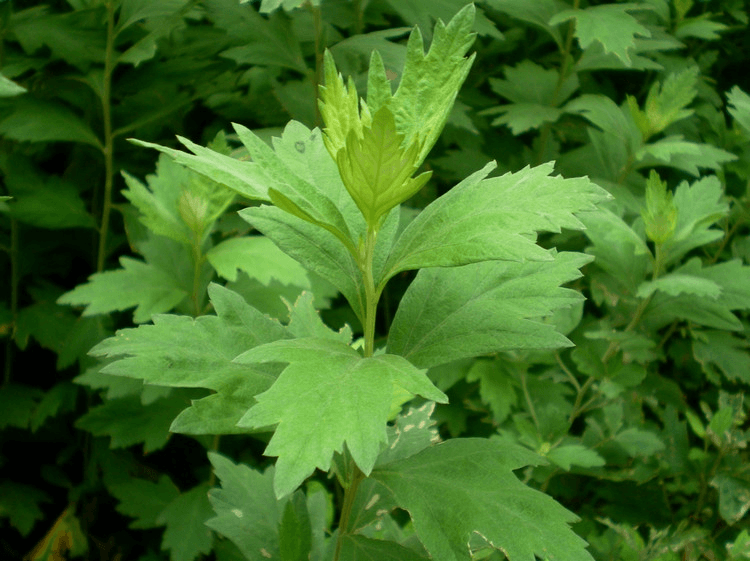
[497, 218]
[327, 396]
[487, 307]
[465, 486]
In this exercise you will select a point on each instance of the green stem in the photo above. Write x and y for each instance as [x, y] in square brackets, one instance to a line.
[567, 48]
[372, 295]
[636, 319]
[197, 293]
[109, 64]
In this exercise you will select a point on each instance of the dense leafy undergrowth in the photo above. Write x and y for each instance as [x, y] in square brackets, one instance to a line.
[498, 307]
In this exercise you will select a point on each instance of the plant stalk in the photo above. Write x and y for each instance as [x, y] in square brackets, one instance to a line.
[108, 149]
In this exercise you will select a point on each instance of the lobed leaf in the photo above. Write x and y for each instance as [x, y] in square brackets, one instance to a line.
[452, 313]
[328, 396]
[464, 487]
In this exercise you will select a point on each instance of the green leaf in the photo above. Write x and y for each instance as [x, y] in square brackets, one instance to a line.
[734, 497]
[666, 102]
[265, 42]
[466, 486]
[495, 387]
[36, 120]
[76, 40]
[423, 13]
[8, 88]
[739, 107]
[305, 321]
[637, 442]
[183, 352]
[430, 82]
[376, 170]
[186, 534]
[328, 396]
[20, 504]
[660, 214]
[316, 249]
[411, 433]
[355, 547]
[178, 203]
[452, 313]
[700, 27]
[45, 201]
[17, 405]
[680, 154]
[144, 500]
[259, 258]
[535, 93]
[247, 511]
[128, 421]
[497, 218]
[720, 351]
[151, 290]
[537, 13]
[569, 455]
[675, 284]
[733, 279]
[132, 11]
[610, 25]
[295, 532]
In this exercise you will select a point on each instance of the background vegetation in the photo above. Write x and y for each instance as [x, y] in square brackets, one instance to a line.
[643, 422]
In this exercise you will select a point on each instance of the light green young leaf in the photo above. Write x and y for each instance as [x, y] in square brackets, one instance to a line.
[186, 534]
[36, 120]
[328, 396]
[8, 88]
[666, 102]
[463, 487]
[259, 258]
[482, 219]
[739, 107]
[660, 213]
[431, 81]
[610, 24]
[487, 307]
[147, 287]
[376, 170]
[144, 500]
[247, 511]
